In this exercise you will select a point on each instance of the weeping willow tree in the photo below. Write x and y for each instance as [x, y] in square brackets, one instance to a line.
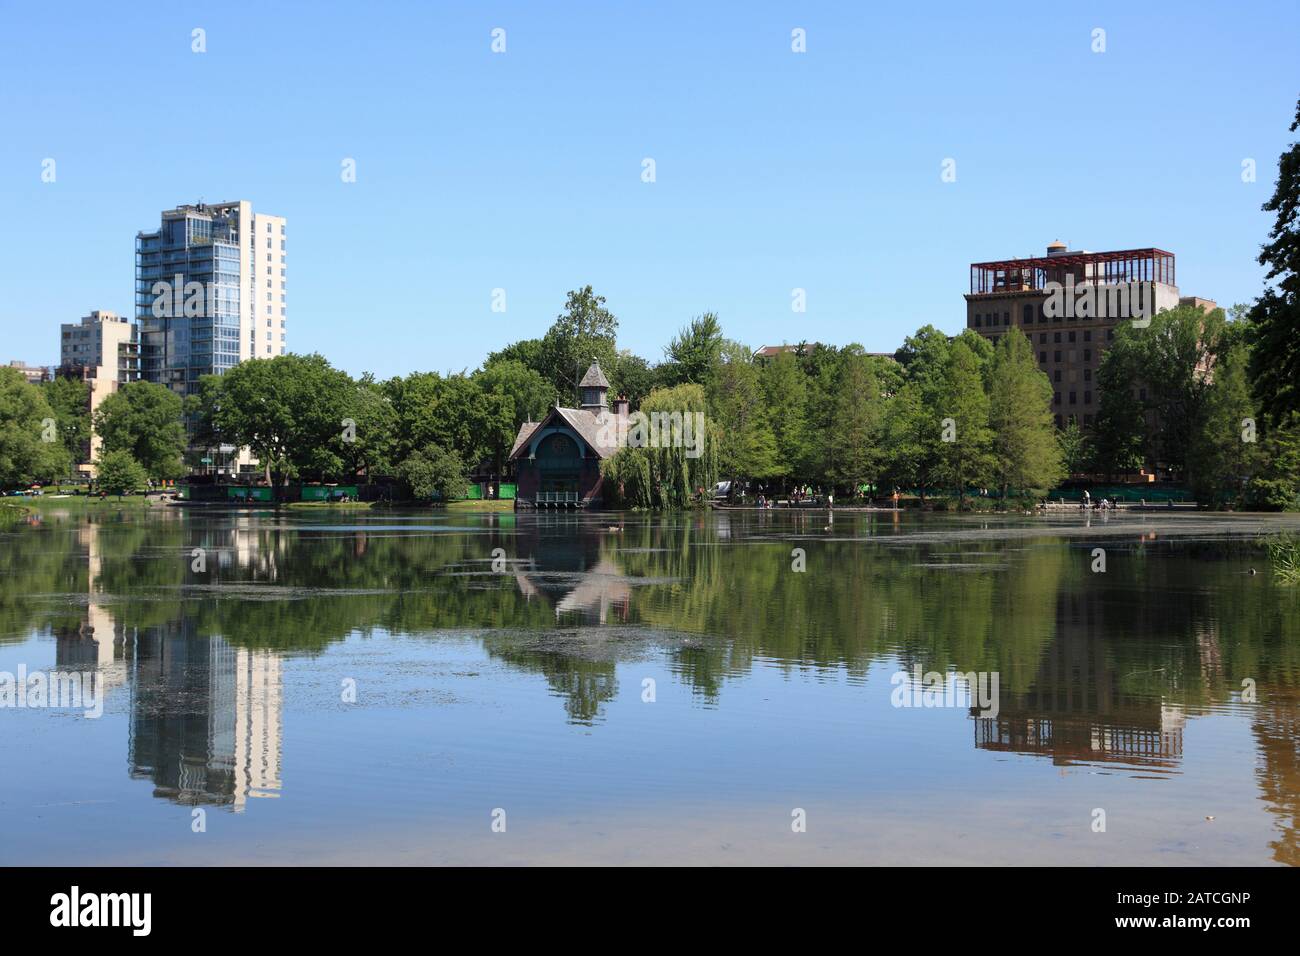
[671, 452]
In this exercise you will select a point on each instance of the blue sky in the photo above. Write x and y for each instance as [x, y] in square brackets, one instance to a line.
[522, 170]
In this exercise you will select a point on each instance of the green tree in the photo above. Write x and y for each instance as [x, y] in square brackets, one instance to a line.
[746, 444]
[512, 393]
[118, 473]
[70, 400]
[1076, 448]
[854, 438]
[145, 420]
[434, 473]
[668, 475]
[1225, 450]
[694, 352]
[1026, 455]
[369, 445]
[1275, 317]
[583, 332]
[965, 447]
[785, 392]
[30, 449]
[1120, 431]
[289, 411]
[1276, 483]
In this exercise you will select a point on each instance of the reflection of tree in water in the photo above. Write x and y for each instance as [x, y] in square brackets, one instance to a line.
[1157, 619]
[1276, 726]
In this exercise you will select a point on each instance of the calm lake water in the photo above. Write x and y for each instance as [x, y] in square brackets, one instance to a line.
[670, 692]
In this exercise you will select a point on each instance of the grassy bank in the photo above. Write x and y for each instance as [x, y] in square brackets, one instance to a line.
[491, 504]
[334, 505]
[81, 502]
[11, 514]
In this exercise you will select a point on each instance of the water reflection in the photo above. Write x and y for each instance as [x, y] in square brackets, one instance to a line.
[1105, 669]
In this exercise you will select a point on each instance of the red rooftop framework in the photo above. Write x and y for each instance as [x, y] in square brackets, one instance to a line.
[1030, 275]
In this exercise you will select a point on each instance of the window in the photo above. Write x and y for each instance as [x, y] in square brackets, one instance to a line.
[1110, 334]
[1056, 399]
[1087, 398]
[1087, 421]
[1087, 375]
[1071, 336]
[977, 319]
[1057, 419]
[1056, 336]
[1056, 356]
[1087, 355]
[1072, 397]
[1042, 358]
[1027, 315]
[1042, 338]
[1056, 376]
[1087, 335]
[1006, 318]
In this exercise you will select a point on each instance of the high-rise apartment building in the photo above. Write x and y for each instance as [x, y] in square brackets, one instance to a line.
[210, 292]
[1068, 303]
[103, 350]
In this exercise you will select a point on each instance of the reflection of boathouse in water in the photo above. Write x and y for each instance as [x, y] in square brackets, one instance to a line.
[584, 584]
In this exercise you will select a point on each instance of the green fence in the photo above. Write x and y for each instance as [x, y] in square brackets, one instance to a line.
[325, 492]
[249, 493]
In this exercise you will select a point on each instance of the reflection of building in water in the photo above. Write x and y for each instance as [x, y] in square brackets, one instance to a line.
[97, 642]
[205, 717]
[574, 573]
[1076, 710]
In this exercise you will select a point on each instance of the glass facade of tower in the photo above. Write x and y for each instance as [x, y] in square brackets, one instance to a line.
[187, 295]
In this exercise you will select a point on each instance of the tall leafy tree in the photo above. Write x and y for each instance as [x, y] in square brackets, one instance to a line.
[1026, 455]
[746, 444]
[965, 447]
[512, 394]
[70, 400]
[289, 411]
[145, 420]
[1225, 449]
[694, 352]
[1275, 317]
[785, 391]
[585, 331]
[29, 446]
[855, 456]
[667, 475]
[370, 445]
[1120, 432]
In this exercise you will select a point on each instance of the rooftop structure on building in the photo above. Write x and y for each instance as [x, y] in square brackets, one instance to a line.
[1038, 294]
